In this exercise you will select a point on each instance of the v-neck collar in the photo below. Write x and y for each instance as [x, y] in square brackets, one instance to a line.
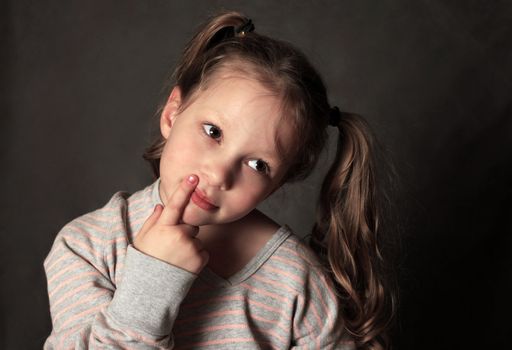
[251, 267]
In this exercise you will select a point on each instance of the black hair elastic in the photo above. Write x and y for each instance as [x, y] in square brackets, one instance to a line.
[334, 116]
[221, 35]
[246, 27]
[230, 32]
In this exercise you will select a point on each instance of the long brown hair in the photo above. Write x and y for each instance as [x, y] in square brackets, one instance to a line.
[349, 212]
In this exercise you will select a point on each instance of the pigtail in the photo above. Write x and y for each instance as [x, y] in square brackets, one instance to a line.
[345, 235]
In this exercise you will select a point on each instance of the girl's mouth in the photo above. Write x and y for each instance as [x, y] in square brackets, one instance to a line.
[201, 202]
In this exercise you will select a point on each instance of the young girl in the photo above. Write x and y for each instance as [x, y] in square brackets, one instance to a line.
[188, 262]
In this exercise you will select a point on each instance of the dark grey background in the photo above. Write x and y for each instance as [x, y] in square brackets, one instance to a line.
[80, 84]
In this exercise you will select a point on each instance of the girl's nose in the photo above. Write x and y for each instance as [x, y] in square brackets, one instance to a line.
[220, 173]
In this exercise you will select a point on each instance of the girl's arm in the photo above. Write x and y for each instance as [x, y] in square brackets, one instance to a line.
[135, 310]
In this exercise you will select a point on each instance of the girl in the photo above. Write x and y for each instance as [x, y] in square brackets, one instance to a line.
[188, 262]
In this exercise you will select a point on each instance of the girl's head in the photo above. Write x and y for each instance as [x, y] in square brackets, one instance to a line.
[265, 99]
[247, 113]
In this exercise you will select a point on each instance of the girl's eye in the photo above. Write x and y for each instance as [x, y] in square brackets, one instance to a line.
[212, 131]
[260, 166]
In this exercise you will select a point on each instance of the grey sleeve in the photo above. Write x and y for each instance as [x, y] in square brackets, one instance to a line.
[150, 293]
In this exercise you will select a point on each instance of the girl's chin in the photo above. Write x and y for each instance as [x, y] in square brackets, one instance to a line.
[196, 216]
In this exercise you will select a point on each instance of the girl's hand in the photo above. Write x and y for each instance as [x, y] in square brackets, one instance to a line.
[163, 237]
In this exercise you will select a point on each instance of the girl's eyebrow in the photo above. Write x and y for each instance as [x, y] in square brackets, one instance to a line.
[219, 116]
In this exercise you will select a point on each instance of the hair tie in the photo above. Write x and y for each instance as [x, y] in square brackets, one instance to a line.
[230, 32]
[221, 35]
[245, 28]
[334, 116]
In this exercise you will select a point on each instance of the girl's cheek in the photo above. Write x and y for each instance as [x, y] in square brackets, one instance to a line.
[184, 150]
[252, 192]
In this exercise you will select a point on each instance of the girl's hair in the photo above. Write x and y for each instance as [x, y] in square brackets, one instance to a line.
[344, 236]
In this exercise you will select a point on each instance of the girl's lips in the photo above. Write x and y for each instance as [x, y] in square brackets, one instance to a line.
[200, 200]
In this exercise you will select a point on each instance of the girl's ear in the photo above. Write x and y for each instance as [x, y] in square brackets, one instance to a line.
[170, 112]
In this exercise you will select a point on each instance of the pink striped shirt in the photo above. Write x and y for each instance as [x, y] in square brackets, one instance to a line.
[104, 293]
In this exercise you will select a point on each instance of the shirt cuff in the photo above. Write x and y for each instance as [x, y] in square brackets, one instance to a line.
[150, 293]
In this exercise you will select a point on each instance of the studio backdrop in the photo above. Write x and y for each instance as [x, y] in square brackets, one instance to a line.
[81, 81]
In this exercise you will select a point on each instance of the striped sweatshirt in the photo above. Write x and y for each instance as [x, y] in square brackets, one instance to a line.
[104, 293]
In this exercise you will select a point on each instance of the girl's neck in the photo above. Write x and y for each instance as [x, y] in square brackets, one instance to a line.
[254, 227]
[232, 246]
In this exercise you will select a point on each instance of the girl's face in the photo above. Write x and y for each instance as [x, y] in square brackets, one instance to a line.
[225, 136]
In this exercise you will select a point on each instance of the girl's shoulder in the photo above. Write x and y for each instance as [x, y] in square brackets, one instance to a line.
[122, 213]
[100, 237]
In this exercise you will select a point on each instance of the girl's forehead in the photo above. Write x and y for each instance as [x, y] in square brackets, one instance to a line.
[237, 97]
[237, 85]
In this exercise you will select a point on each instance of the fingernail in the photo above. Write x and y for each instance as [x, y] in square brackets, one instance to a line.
[191, 179]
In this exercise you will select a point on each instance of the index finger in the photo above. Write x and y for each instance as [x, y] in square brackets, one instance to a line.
[173, 210]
